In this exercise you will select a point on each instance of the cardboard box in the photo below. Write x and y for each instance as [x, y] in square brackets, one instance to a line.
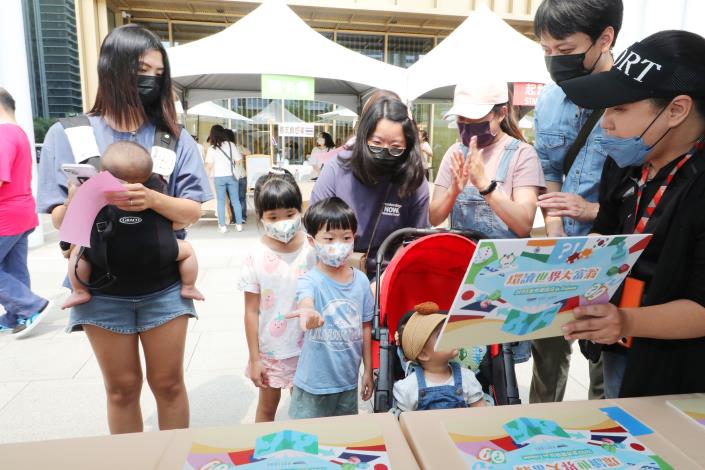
[684, 433]
[120, 452]
[340, 431]
[428, 432]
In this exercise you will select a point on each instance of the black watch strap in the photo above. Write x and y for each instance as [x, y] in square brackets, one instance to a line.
[489, 189]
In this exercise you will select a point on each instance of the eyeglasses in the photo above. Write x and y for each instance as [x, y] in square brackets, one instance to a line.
[393, 151]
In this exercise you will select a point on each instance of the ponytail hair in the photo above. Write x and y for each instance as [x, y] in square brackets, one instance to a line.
[509, 123]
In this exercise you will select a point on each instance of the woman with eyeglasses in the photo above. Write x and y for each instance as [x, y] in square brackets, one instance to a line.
[381, 178]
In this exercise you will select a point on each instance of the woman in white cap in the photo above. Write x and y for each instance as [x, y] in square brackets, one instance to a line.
[491, 180]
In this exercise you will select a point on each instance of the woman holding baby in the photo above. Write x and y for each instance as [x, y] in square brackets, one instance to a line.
[135, 103]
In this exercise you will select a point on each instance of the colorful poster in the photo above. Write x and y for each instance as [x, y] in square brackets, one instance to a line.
[694, 408]
[523, 289]
[581, 440]
[297, 445]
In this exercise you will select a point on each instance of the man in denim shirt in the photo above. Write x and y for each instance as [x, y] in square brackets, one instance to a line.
[577, 36]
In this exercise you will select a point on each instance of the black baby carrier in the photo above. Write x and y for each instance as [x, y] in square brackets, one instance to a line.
[131, 253]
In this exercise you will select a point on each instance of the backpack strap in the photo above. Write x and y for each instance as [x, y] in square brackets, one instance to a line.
[82, 140]
[579, 142]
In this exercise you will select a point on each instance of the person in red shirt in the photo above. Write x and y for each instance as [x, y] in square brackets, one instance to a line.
[18, 218]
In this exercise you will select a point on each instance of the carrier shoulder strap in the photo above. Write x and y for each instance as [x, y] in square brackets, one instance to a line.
[163, 153]
[579, 142]
[82, 140]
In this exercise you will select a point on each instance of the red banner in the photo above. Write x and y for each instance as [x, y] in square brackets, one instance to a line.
[526, 94]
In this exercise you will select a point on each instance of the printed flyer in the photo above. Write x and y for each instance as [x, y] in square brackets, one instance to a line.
[523, 289]
[297, 445]
[590, 439]
[693, 408]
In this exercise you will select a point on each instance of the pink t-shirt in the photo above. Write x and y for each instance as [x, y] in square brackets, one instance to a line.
[17, 208]
[524, 169]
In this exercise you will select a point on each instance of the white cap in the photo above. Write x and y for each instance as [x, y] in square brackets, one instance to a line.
[475, 100]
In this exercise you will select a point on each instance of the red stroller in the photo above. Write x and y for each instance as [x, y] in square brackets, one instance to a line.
[429, 268]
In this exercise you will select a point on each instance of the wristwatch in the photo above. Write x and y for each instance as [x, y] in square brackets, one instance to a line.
[489, 189]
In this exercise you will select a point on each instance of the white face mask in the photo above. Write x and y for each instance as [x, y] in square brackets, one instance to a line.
[333, 254]
[283, 230]
[321, 141]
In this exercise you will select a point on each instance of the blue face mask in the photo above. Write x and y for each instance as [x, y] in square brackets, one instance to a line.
[630, 151]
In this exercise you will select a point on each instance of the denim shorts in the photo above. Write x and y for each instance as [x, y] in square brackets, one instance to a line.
[130, 315]
[307, 405]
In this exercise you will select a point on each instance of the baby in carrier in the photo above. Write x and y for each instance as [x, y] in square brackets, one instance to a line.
[131, 163]
[437, 382]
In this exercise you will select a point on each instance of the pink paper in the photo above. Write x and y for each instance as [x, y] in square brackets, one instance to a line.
[88, 200]
[324, 158]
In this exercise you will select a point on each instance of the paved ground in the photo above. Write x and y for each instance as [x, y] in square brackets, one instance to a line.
[51, 387]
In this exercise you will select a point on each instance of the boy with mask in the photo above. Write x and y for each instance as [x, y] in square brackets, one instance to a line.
[577, 37]
[336, 306]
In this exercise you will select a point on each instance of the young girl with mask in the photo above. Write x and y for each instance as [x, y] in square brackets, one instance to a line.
[269, 276]
[335, 306]
[653, 182]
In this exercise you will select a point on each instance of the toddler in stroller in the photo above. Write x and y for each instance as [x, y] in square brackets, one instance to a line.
[437, 383]
[432, 266]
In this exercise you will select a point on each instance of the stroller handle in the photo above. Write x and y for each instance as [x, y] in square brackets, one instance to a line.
[394, 237]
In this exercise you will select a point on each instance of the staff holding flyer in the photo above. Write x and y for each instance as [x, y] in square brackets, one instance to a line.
[654, 183]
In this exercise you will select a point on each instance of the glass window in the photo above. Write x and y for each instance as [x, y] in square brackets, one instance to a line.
[365, 44]
[326, 34]
[184, 33]
[404, 51]
[160, 29]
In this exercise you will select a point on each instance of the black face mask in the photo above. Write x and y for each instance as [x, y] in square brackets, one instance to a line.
[386, 162]
[566, 67]
[149, 88]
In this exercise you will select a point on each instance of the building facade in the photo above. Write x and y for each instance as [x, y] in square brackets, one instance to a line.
[55, 74]
[398, 32]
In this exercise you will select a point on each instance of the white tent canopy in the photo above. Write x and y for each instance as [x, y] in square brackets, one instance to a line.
[483, 43]
[272, 113]
[340, 114]
[213, 110]
[274, 40]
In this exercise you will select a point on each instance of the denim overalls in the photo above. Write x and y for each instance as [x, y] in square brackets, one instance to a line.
[471, 211]
[443, 396]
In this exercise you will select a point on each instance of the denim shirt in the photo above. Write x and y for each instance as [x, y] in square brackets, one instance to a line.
[558, 122]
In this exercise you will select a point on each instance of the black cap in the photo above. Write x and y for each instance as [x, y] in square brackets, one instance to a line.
[639, 73]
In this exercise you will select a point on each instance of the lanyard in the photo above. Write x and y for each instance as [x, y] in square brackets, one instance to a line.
[653, 204]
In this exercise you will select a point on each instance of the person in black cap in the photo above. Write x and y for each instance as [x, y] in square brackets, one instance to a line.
[577, 37]
[654, 182]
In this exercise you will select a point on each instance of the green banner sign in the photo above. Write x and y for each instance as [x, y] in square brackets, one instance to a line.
[288, 87]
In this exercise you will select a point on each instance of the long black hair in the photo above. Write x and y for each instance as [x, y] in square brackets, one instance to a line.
[330, 145]
[118, 67]
[217, 136]
[409, 175]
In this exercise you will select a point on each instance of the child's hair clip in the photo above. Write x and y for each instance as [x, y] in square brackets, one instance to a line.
[275, 170]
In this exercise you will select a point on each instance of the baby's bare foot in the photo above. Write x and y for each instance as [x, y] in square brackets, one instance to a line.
[77, 297]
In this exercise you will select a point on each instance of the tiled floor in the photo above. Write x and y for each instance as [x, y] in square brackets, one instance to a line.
[51, 387]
